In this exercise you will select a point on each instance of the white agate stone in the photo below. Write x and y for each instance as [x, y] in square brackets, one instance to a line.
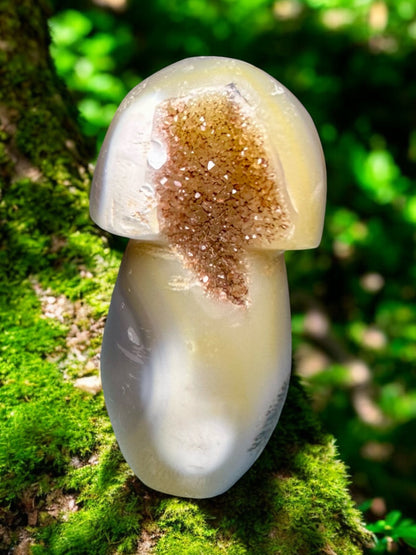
[194, 388]
[213, 169]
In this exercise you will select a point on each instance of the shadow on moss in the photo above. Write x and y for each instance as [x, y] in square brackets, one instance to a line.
[294, 500]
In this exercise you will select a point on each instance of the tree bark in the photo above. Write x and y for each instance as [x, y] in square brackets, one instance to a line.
[65, 487]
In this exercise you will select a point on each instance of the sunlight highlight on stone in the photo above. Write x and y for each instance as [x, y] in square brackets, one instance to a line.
[212, 168]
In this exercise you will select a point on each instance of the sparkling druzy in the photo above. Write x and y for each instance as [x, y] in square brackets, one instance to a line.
[213, 169]
[217, 191]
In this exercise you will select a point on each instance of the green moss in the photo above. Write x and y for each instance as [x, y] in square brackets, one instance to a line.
[188, 528]
[313, 510]
[44, 420]
[109, 510]
[189, 545]
[47, 244]
[294, 500]
[56, 442]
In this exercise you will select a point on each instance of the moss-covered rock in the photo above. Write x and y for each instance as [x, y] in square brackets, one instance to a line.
[65, 487]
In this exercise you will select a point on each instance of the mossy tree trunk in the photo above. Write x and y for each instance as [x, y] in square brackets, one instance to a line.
[64, 485]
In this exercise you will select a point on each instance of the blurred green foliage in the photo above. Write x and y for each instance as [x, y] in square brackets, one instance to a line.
[92, 56]
[352, 64]
[393, 529]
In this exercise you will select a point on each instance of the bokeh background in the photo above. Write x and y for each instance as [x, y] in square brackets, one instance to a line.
[353, 65]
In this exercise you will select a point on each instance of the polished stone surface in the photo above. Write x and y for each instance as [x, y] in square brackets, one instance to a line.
[213, 169]
[194, 387]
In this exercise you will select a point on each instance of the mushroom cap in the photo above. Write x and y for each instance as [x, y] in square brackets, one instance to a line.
[124, 198]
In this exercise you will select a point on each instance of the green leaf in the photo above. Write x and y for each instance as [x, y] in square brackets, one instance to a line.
[406, 531]
[393, 518]
[410, 209]
[69, 26]
[377, 527]
[378, 175]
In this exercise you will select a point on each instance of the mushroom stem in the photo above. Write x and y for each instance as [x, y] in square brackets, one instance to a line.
[201, 382]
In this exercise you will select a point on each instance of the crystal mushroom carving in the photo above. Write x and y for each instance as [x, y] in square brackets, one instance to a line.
[213, 169]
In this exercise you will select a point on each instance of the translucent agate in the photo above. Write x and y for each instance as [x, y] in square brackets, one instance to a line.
[212, 168]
